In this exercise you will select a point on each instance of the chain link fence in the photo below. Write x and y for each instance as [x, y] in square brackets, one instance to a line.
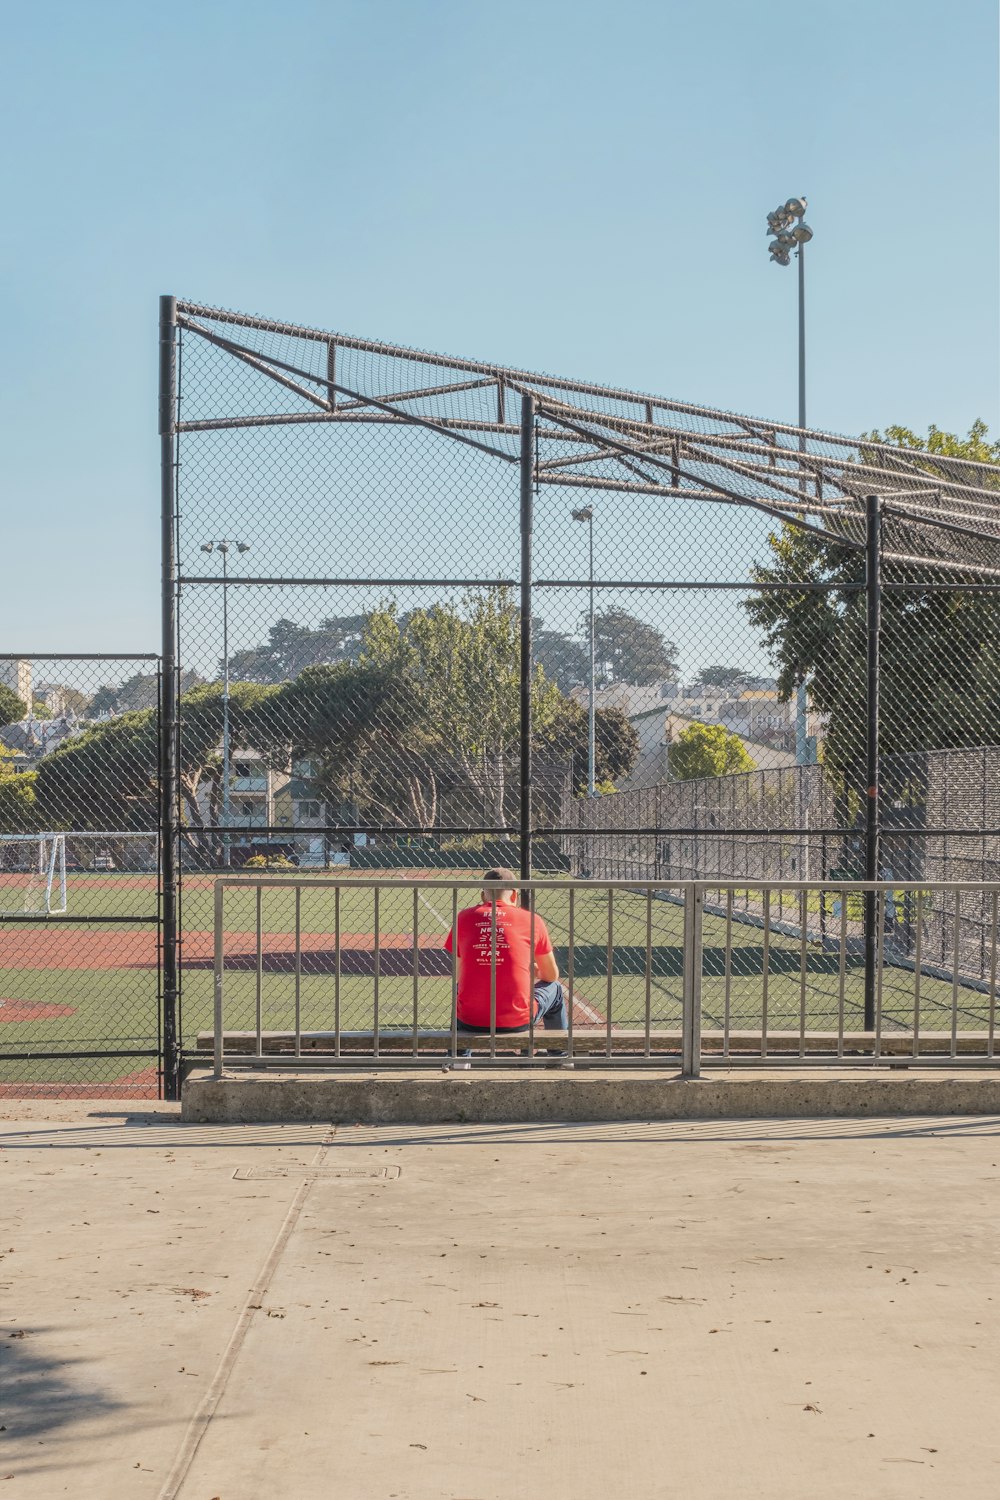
[79, 877]
[429, 615]
[437, 614]
[426, 614]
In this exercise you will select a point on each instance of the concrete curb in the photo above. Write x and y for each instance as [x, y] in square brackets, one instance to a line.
[449, 1099]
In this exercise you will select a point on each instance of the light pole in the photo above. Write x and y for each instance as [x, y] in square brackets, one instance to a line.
[587, 514]
[223, 545]
[788, 232]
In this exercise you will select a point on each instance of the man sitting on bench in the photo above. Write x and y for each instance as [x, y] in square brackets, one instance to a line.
[521, 977]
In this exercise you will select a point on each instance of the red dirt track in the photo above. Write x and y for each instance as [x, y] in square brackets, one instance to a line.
[32, 1010]
[142, 1085]
[83, 948]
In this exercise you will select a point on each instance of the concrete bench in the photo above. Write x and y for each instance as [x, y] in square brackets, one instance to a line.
[593, 1039]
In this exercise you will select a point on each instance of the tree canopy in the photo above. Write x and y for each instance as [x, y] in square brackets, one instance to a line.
[565, 661]
[429, 711]
[940, 649]
[290, 648]
[17, 797]
[139, 691]
[630, 651]
[461, 664]
[725, 679]
[12, 708]
[703, 750]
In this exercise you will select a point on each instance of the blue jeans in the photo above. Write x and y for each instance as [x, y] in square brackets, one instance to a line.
[550, 1009]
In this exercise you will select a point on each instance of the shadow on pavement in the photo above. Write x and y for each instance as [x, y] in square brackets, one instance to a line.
[39, 1397]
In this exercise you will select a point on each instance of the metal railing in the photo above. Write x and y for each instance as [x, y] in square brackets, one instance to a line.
[344, 973]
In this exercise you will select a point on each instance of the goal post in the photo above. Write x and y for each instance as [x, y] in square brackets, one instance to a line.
[32, 874]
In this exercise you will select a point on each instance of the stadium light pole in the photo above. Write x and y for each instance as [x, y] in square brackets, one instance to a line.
[789, 232]
[586, 513]
[223, 545]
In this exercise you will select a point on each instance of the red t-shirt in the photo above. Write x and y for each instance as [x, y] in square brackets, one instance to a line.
[515, 985]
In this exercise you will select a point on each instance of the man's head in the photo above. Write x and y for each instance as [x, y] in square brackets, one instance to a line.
[500, 883]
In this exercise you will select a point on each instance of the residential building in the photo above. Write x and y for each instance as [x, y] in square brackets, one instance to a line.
[254, 788]
[16, 675]
[297, 804]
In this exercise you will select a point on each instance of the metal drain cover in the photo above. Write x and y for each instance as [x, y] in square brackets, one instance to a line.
[315, 1174]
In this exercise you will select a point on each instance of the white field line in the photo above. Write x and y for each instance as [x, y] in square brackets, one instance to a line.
[587, 1011]
[444, 922]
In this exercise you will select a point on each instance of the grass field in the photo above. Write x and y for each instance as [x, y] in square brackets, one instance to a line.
[82, 986]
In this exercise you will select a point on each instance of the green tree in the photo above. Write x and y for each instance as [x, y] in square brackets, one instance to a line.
[12, 708]
[17, 796]
[630, 651]
[616, 744]
[975, 445]
[462, 666]
[708, 750]
[365, 730]
[726, 679]
[290, 648]
[139, 691]
[106, 777]
[564, 661]
[940, 649]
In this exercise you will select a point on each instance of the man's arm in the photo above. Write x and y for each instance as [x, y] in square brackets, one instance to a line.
[546, 968]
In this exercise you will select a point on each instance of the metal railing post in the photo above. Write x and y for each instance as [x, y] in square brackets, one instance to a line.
[167, 768]
[873, 629]
[526, 527]
[220, 940]
[694, 901]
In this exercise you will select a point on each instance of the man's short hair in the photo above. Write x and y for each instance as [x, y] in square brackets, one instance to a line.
[502, 877]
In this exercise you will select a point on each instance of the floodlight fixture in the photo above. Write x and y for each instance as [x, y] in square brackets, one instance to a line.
[796, 207]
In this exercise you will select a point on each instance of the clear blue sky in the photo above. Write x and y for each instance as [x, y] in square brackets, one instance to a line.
[567, 185]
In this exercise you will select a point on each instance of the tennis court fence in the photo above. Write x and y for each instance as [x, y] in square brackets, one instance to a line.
[348, 973]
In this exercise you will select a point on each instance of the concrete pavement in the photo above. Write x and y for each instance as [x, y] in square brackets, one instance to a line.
[700, 1308]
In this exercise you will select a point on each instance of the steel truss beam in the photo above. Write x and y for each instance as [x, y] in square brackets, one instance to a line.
[704, 454]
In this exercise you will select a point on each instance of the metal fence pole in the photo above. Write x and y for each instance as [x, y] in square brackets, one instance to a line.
[873, 627]
[527, 523]
[168, 691]
[219, 966]
[694, 900]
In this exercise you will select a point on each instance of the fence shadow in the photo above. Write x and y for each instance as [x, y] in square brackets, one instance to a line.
[590, 961]
[41, 1398]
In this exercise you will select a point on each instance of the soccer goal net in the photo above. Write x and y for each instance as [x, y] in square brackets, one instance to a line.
[32, 874]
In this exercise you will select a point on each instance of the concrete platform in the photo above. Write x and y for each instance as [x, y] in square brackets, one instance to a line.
[758, 1309]
[431, 1098]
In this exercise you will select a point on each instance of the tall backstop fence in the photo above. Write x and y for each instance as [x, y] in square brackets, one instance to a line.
[412, 582]
[423, 613]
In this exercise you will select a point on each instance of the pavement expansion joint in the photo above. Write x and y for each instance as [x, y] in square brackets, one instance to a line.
[316, 1174]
